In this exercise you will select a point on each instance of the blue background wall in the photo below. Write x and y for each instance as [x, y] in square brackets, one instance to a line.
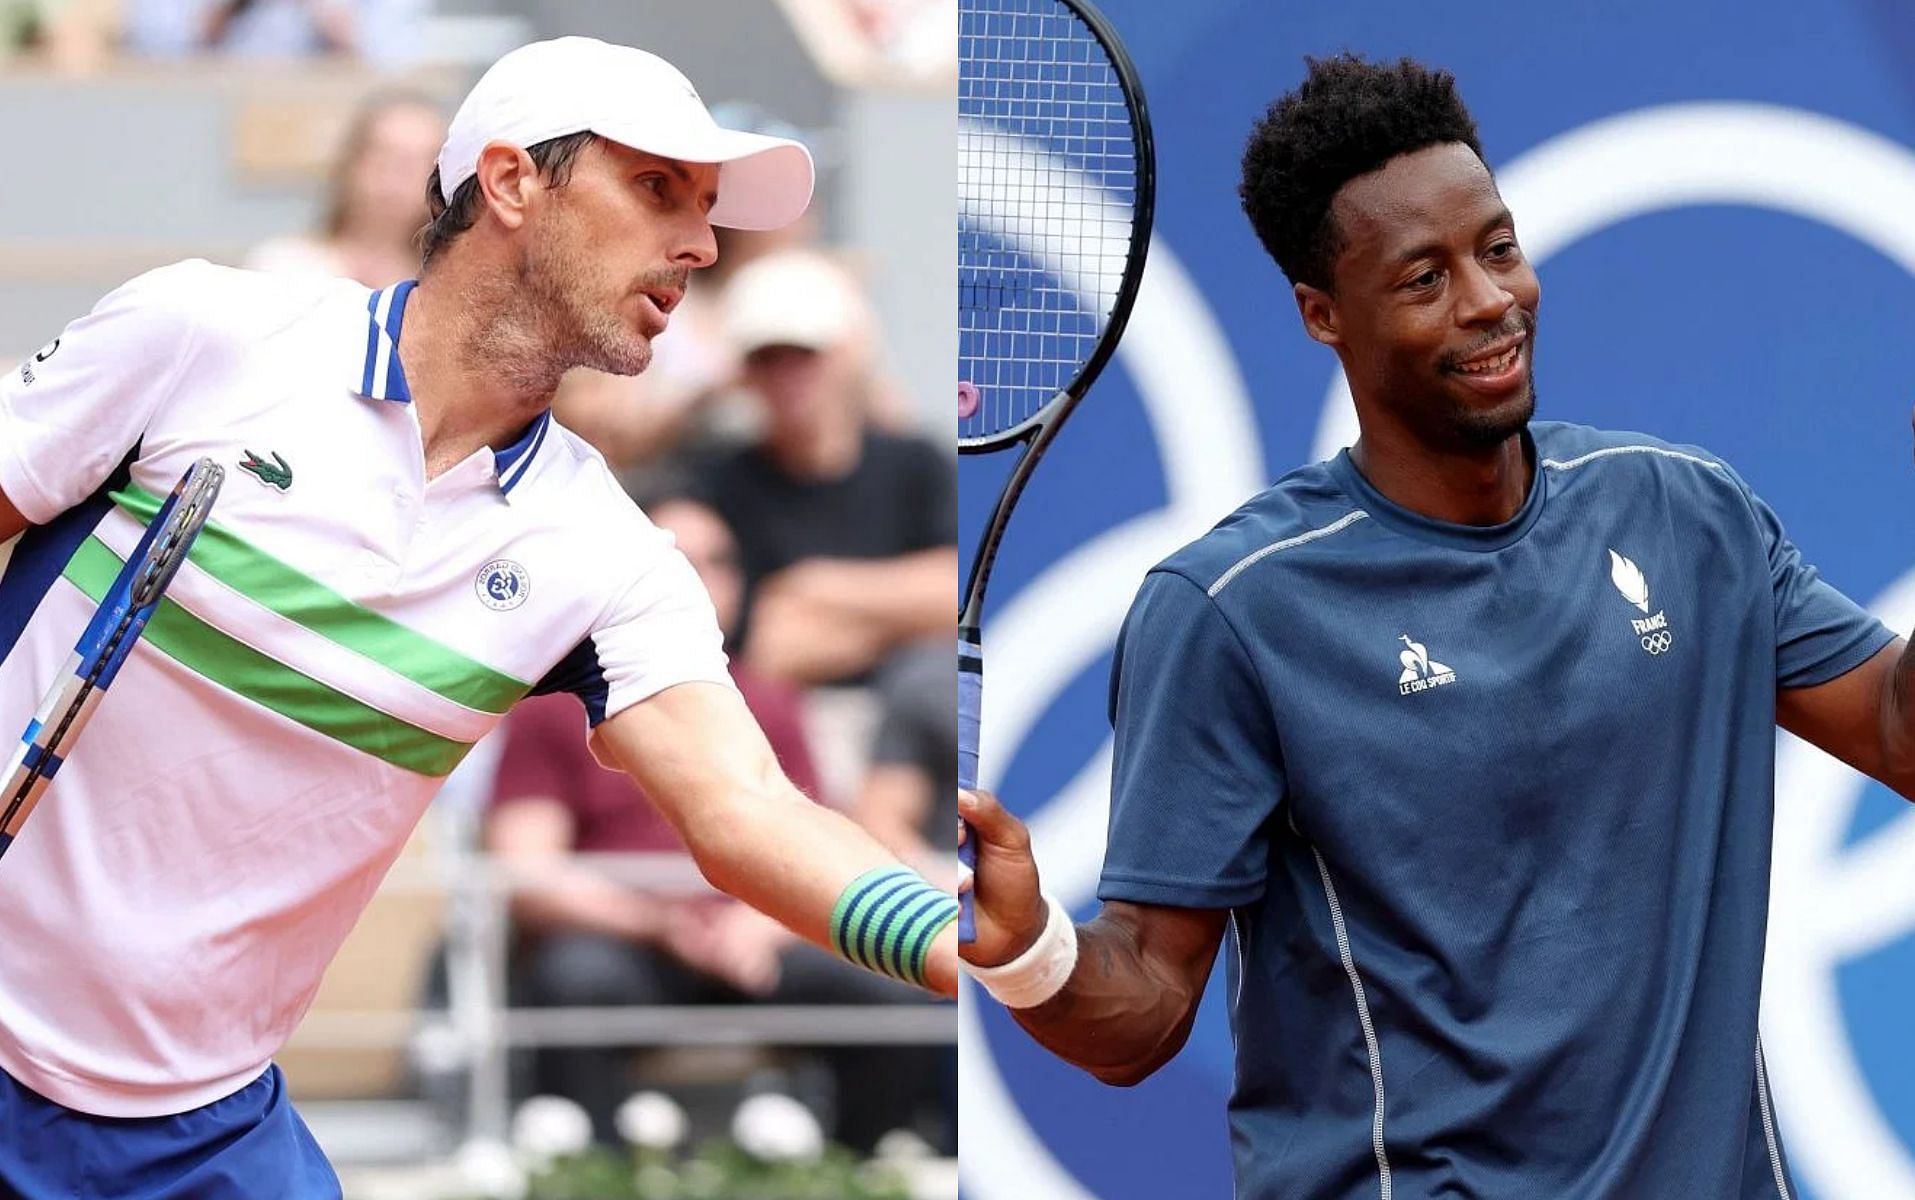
[1764, 309]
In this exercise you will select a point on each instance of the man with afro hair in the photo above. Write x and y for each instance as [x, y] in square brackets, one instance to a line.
[1466, 736]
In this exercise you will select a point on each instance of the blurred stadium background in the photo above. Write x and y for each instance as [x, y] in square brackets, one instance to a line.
[297, 135]
[1721, 200]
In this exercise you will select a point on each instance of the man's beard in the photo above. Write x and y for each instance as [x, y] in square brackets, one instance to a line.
[1468, 428]
[561, 292]
[1479, 429]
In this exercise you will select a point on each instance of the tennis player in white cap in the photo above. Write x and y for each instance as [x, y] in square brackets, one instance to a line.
[405, 546]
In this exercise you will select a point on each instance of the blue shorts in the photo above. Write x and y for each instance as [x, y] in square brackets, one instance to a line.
[250, 1145]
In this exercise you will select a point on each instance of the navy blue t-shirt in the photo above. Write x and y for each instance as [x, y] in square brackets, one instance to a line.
[1491, 809]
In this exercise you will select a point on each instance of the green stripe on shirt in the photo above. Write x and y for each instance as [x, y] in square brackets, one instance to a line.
[305, 601]
[234, 665]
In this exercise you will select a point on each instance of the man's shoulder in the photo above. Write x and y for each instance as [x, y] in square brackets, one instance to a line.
[223, 312]
[577, 498]
[1562, 448]
[574, 453]
[575, 477]
[1616, 467]
[227, 300]
[1301, 515]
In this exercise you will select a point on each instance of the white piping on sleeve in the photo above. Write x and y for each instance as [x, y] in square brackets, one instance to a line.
[1249, 560]
[1579, 460]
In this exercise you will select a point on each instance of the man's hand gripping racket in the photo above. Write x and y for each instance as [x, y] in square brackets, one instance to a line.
[1056, 180]
[105, 644]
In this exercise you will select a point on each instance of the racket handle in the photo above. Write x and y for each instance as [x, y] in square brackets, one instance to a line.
[970, 709]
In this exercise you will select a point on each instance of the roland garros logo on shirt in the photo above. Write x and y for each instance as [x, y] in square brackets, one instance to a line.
[503, 584]
[1652, 632]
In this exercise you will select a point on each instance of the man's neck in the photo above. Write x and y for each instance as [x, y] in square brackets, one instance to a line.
[477, 371]
[1463, 487]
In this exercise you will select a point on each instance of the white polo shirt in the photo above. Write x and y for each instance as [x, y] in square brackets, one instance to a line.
[343, 633]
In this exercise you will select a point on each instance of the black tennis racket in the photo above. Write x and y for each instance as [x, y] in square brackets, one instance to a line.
[104, 644]
[1056, 185]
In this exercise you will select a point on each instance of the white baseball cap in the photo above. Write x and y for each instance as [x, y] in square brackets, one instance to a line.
[574, 84]
[792, 298]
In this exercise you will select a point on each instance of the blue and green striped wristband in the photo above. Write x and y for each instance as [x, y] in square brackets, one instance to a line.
[888, 918]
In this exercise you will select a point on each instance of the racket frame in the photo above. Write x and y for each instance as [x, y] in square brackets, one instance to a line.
[105, 643]
[1040, 428]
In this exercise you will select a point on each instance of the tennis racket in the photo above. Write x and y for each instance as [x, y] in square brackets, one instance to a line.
[104, 644]
[1056, 186]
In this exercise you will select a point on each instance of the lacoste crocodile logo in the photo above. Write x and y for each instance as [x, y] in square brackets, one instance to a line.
[280, 476]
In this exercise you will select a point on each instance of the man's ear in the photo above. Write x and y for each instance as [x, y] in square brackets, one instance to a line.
[1318, 309]
[507, 178]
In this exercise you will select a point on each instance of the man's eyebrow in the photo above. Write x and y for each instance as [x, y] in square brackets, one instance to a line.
[1432, 249]
[684, 176]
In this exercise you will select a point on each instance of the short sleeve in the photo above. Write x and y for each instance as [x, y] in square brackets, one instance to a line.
[1198, 774]
[659, 630]
[70, 413]
[1820, 633]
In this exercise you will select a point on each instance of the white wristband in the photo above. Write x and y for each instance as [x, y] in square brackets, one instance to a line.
[1040, 972]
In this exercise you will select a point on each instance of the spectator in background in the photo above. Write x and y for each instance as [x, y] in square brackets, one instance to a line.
[912, 35]
[847, 532]
[379, 31]
[594, 942]
[71, 36]
[909, 797]
[376, 204]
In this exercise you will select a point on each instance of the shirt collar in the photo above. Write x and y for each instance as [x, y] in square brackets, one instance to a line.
[382, 377]
[515, 460]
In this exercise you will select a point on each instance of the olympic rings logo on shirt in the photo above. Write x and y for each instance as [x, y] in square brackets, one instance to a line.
[1658, 642]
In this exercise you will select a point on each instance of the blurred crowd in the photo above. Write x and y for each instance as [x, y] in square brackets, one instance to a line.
[81, 34]
[899, 39]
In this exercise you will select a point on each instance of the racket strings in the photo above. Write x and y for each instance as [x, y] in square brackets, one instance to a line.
[1047, 181]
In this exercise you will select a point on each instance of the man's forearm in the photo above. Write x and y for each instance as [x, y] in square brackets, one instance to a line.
[1865, 716]
[792, 860]
[1117, 1017]
[697, 752]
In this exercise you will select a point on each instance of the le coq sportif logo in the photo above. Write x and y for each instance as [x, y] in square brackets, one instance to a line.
[1420, 671]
